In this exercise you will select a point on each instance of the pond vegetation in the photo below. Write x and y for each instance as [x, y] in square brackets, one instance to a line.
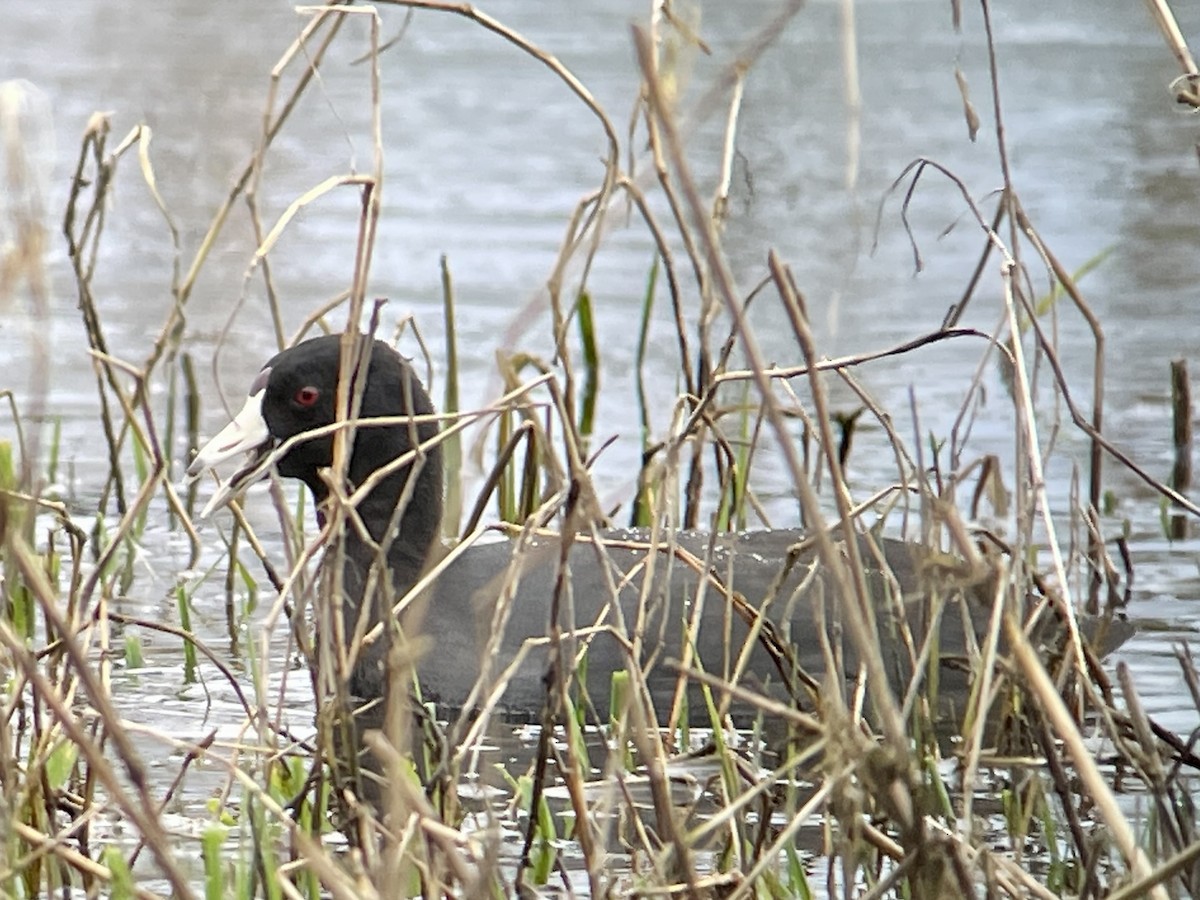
[851, 787]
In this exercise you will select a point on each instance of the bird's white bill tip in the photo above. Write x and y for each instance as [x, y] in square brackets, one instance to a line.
[246, 433]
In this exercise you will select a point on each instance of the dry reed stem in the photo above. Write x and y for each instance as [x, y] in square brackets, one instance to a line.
[138, 812]
[1168, 868]
[251, 173]
[852, 92]
[427, 837]
[1185, 86]
[1085, 765]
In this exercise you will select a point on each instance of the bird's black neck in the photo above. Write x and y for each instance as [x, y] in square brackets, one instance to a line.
[403, 522]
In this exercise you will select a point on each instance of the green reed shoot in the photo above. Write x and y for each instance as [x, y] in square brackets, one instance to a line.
[265, 830]
[212, 840]
[54, 450]
[591, 365]
[506, 503]
[8, 469]
[639, 361]
[122, 886]
[797, 878]
[60, 763]
[545, 834]
[731, 509]
[168, 440]
[185, 622]
[531, 478]
[618, 695]
[133, 651]
[193, 418]
[141, 467]
[642, 511]
[452, 447]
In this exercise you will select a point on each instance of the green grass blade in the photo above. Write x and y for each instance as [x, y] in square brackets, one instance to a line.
[452, 447]
[591, 363]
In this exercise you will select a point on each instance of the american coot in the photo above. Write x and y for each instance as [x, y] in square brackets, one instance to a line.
[473, 623]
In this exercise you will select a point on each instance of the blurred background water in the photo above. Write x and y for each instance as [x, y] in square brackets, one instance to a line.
[487, 155]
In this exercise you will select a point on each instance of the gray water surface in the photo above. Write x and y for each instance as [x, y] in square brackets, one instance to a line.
[486, 157]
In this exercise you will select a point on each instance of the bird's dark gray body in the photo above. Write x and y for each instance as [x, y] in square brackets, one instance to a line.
[473, 629]
[803, 614]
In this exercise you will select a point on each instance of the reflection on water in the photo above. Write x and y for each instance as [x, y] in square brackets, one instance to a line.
[486, 158]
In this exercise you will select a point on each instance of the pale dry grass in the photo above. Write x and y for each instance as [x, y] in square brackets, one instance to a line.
[864, 771]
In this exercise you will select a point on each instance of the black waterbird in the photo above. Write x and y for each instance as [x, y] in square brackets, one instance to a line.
[484, 605]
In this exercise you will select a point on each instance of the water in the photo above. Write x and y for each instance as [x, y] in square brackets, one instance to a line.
[487, 155]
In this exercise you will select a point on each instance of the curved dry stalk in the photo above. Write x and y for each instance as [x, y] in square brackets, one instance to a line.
[1164, 18]
[1085, 764]
[139, 811]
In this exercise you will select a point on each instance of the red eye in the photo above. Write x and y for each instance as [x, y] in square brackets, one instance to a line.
[307, 396]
